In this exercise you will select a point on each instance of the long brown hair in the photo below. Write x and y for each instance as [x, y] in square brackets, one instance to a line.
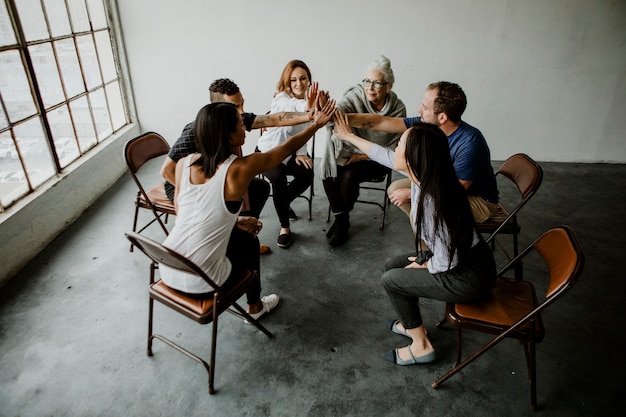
[284, 83]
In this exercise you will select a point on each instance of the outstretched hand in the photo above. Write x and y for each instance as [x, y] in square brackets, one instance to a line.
[311, 95]
[324, 113]
[342, 127]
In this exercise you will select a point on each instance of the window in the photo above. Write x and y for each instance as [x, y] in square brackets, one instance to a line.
[60, 89]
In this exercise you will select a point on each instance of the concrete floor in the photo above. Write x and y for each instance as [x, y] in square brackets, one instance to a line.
[73, 324]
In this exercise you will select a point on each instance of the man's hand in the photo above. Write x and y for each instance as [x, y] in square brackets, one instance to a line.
[400, 197]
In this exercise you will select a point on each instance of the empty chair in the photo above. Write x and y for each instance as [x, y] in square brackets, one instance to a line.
[527, 175]
[513, 309]
[201, 310]
[137, 152]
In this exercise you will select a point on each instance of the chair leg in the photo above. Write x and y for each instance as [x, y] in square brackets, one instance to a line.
[213, 348]
[150, 315]
[529, 350]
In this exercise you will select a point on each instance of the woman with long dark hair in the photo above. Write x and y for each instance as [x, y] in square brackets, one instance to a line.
[209, 190]
[450, 262]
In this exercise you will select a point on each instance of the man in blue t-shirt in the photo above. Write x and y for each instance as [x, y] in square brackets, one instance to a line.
[443, 104]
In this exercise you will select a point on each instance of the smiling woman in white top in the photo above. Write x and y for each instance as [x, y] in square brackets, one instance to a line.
[295, 92]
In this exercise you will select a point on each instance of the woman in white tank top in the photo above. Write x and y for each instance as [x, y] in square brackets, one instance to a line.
[209, 190]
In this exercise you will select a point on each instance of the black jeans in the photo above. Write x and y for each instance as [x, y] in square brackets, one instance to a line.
[283, 191]
[343, 191]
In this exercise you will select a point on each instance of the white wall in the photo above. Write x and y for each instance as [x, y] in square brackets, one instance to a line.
[543, 77]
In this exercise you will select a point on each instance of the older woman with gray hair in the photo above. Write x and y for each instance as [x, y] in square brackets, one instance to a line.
[344, 167]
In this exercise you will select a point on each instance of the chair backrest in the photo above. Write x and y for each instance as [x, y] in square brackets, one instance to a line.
[143, 148]
[524, 172]
[563, 255]
[165, 256]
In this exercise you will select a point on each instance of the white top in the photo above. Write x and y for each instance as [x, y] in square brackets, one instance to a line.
[438, 244]
[275, 136]
[202, 231]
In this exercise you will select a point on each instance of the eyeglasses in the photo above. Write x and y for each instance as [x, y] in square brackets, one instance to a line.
[375, 84]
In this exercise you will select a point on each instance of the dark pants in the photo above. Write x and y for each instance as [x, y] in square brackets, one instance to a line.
[243, 253]
[343, 191]
[283, 191]
[258, 192]
[463, 284]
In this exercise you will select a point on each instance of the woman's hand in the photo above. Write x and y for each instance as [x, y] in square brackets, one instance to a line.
[324, 114]
[356, 157]
[251, 225]
[414, 264]
[311, 96]
[304, 160]
[342, 127]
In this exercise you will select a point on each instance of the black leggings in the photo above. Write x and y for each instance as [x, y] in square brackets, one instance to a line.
[343, 191]
[283, 191]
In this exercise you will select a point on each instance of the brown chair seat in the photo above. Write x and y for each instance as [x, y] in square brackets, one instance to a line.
[512, 310]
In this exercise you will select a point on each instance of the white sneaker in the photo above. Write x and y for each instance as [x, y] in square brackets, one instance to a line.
[269, 303]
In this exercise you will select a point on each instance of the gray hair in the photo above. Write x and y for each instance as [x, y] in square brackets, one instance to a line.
[383, 65]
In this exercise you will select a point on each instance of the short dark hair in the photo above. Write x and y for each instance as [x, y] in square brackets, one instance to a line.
[450, 100]
[220, 87]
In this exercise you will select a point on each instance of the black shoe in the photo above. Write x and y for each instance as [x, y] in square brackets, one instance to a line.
[285, 240]
[340, 233]
[292, 214]
[331, 229]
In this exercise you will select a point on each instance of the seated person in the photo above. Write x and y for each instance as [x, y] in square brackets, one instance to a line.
[293, 95]
[210, 186]
[344, 167]
[442, 105]
[458, 267]
[225, 90]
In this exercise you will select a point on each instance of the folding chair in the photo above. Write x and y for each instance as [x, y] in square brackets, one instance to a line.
[513, 310]
[137, 152]
[203, 311]
[386, 178]
[527, 175]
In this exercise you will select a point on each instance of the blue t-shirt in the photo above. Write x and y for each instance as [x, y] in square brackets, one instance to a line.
[471, 159]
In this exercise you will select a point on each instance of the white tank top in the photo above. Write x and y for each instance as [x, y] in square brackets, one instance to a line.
[202, 231]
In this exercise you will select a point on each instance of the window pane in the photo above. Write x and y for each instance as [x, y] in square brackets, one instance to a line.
[4, 121]
[63, 134]
[9, 168]
[100, 113]
[84, 124]
[78, 13]
[47, 73]
[70, 69]
[97, 14]
[33, 22]
[7, 35]
[35, 152]
[58, 18]
[89, 60]
[14, 87]
[118, 115]
[105, 53]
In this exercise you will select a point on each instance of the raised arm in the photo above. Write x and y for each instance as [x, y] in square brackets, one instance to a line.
[376, 122]
[344, 132]
[246, 168]
[283, 118]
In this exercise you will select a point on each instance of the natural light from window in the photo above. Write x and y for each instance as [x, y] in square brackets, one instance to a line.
[60, 90]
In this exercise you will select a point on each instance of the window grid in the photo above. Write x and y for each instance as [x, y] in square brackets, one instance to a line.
[34, 145]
